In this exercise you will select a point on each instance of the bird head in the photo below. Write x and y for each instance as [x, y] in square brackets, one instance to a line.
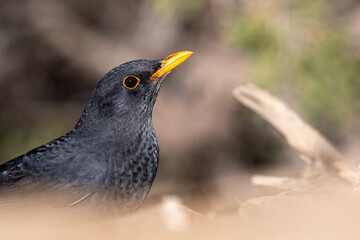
[128, 92]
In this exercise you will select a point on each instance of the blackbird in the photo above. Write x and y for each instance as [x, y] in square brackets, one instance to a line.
[108, 161]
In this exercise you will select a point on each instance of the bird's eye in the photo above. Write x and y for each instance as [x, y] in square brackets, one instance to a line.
[131, 82]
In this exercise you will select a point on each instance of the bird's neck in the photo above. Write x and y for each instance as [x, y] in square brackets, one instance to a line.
[113, 127]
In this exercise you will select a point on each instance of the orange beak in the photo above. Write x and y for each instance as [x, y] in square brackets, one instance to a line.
[170, 62]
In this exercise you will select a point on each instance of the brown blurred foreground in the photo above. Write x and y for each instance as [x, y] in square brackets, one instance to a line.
[302, 216]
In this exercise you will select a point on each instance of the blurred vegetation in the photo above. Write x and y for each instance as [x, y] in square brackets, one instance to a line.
[297, 50]
[188, 9]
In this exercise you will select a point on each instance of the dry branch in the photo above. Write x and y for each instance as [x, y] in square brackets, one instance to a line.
[283, 183]
[317, 152]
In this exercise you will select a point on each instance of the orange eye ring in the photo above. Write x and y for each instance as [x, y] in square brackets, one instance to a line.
[131, 82]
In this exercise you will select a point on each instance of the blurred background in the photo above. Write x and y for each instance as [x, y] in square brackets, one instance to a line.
[53, 53]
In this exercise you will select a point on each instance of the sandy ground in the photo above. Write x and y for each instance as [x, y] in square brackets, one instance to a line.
[319, 214]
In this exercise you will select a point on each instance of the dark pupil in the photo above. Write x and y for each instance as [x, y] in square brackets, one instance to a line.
[131, 82]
